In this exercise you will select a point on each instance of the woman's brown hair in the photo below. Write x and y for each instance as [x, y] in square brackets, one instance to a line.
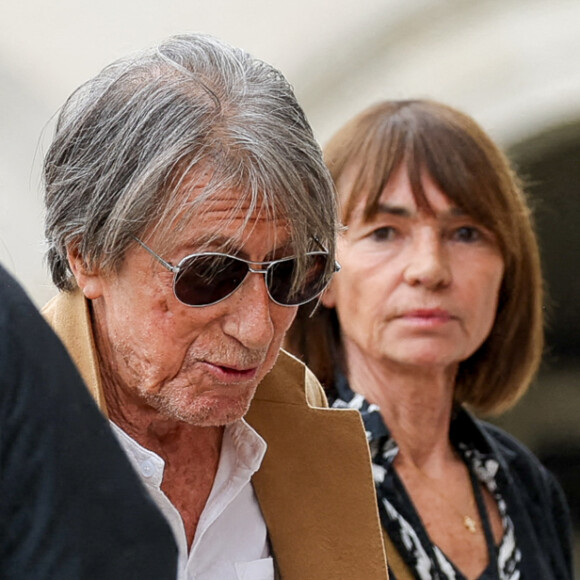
[464, 163]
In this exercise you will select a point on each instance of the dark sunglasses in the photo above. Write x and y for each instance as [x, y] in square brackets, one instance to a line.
[210, 277]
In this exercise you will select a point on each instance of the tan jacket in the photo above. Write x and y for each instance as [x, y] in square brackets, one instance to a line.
[314, 487]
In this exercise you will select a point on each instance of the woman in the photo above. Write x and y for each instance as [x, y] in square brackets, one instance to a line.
[438, 307]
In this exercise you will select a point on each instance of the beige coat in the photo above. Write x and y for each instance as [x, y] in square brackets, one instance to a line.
[314, 487]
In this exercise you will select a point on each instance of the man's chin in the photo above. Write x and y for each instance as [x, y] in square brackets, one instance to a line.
[212, 413]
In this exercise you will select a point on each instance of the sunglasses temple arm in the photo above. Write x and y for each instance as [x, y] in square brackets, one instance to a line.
[169, 266]
[336, 264]
[319, 244]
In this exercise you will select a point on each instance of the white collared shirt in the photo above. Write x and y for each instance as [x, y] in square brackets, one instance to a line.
[231, 540]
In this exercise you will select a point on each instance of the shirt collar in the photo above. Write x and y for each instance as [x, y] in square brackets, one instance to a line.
[242, 446]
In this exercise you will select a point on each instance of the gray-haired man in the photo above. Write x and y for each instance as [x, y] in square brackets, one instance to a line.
[189, 212]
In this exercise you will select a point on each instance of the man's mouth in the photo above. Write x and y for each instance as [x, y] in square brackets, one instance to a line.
[231, 374]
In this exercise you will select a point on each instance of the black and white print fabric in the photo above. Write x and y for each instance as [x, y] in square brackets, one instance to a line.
[398, 515]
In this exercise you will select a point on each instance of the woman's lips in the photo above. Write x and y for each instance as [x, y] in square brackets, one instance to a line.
[427, 316]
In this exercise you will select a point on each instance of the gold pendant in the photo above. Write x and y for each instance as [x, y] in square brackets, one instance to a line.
[470, 524]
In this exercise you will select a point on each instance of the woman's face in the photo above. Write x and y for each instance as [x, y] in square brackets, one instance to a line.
[417, 288]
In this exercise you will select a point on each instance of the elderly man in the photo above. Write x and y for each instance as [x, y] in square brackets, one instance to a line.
[189, 213]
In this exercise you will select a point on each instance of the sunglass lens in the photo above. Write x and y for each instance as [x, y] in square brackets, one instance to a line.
[205, 279]
[282, 286]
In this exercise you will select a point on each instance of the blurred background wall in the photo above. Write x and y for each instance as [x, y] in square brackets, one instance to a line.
[512, 64]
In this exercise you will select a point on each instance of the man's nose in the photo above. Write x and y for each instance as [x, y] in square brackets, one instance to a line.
[250, 319]
[428, 261]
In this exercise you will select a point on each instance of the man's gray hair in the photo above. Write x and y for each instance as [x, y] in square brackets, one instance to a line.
[128, 140]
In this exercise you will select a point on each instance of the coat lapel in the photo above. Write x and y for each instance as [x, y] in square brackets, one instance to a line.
[68, 314]
[315, 486]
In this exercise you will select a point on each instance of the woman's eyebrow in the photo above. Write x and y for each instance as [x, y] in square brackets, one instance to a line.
[386, 208]
[401, 211]
[457, 212]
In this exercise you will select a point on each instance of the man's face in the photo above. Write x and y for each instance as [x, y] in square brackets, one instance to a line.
[198, 365]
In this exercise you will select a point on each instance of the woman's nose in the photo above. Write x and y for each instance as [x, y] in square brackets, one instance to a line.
[428, 261]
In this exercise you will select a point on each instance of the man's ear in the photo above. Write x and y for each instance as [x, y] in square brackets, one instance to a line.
[88, 279]
[328, 298]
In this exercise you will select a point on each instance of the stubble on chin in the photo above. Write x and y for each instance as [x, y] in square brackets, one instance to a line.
[192, 397]
[205, 409]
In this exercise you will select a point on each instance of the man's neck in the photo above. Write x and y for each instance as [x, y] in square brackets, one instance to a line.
[191, 453]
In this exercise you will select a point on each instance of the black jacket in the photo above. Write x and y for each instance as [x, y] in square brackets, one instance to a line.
[71, 506]
[536, 505]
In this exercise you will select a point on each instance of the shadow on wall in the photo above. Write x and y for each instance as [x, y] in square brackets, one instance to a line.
[547, 420]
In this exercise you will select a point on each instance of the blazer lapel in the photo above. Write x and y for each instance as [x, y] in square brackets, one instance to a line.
[315, 486]
[68, 315]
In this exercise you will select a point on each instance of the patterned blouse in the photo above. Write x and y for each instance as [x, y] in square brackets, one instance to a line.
[398, 515]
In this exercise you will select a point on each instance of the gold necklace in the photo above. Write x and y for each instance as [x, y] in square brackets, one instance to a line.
[469, 522]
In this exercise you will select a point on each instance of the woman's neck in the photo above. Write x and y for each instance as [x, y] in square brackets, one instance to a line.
[415, 403]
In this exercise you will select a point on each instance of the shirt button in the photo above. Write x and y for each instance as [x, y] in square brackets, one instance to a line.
[147, 468]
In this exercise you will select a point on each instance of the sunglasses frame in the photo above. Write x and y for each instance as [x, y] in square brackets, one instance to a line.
[264, 268]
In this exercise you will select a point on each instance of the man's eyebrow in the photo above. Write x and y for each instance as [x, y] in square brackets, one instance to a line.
[282, 251]
[207, 242]
[220, 243]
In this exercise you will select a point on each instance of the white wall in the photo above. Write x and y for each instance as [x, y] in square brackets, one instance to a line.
[513, 64]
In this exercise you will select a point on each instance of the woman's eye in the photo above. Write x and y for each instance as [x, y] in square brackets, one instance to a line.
[386, 233]
[467, 234]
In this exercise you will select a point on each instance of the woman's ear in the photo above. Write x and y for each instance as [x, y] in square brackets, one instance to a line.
[88, 279]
